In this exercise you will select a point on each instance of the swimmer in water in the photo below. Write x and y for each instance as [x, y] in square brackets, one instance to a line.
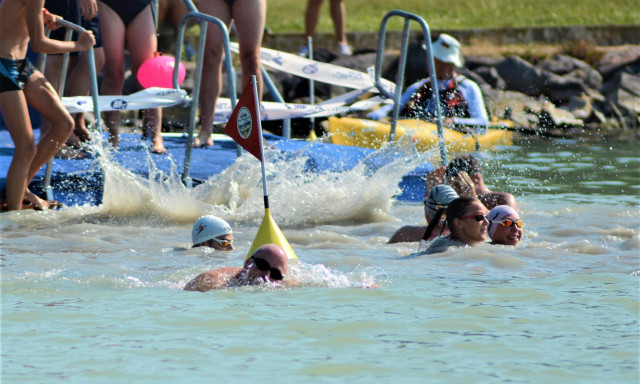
[268, 264]
[213, 232]
[467, 222]
[437, 199]
[505, 226]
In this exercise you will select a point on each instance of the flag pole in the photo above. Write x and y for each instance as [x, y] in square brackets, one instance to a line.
[264, 174]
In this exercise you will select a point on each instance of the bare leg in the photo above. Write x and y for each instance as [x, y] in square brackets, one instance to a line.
[53, 71]
[142, 43]
[211, 82]
[41, 96]
[311, 16]
[16, 115]
[249, 16]
[113, 80]
[338, 15]
[79, 85]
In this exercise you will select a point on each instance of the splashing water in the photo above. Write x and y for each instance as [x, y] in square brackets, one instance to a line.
[361, 194]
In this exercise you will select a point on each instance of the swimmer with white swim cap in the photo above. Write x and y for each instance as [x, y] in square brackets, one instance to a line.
[213, 232]
[436, 200]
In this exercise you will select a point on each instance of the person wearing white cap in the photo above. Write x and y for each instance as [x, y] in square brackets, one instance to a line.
[212, 231]
[437, 199]
[461, 100]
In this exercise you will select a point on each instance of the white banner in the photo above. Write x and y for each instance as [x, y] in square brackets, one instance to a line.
[323, 72]
[145, 99]
[161, 97]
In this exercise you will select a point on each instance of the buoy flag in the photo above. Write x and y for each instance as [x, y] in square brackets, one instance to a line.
[244, 125]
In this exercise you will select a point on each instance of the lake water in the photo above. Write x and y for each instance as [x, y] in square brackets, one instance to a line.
[94, 294]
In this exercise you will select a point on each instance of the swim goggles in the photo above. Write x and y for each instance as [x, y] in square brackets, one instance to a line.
[223, 242]
[478, 217]
[509, 223]
[263, 265]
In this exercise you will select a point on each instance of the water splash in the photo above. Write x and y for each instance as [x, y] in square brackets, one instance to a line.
[297, 194]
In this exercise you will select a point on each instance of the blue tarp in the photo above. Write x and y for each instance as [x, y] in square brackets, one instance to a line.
[80, 181]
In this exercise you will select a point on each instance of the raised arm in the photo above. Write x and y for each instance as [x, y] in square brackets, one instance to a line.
[36, 18]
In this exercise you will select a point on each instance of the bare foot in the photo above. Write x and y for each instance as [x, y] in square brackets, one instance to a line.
[37, 203]
[66, 152]
[82, 133]
[198, 143]
[159, 150]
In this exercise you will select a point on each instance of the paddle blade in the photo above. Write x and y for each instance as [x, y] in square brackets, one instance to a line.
[270, 233]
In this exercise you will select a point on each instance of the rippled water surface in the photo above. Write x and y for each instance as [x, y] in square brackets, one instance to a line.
[93, 294]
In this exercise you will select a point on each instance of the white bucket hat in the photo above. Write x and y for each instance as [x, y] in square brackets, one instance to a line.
[447, 49]
[208, 227]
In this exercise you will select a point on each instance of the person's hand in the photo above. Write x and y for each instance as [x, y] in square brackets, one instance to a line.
[463, 184]
[86, 41]
[88, 8]
[50, 19]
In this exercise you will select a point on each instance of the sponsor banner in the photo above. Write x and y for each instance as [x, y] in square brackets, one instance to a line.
[323, 72]
[148, 98]
[167, 97]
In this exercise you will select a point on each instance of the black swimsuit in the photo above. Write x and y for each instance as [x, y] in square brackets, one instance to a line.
[14, 74]
[127, 10]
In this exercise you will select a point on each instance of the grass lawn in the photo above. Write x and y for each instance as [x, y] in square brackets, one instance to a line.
[366, 15]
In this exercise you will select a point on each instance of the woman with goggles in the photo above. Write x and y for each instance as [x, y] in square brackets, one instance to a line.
[505, 225]
[467, 221]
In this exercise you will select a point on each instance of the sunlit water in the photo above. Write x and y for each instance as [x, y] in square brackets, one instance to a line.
[93, 294]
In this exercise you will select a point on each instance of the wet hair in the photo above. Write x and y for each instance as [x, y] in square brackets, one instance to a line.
[432, 224]
[466, 163]
[455, 210]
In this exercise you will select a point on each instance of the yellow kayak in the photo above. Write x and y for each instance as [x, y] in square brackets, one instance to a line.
[372, 134]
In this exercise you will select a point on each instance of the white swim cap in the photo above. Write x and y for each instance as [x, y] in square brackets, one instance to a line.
[498, 213]
[447, 49]
[439, 197]
[208, 227]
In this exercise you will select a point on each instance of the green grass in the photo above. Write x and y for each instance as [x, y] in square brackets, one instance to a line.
[287, 16]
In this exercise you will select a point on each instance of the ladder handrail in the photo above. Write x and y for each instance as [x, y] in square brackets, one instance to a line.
[198, 76]
[400, 75]
[61, 87]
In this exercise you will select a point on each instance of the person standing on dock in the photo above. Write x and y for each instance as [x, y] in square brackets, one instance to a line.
[22, 23]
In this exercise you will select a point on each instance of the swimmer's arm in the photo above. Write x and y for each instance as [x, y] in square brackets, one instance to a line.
[40, 43]
[213, 279]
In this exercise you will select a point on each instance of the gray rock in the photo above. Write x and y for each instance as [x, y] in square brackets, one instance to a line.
[562, 64]
[613, 61]
[491, 77]
[521, 76]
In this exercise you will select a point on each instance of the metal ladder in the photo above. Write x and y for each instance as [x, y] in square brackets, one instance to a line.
[70, 27]
[401, 68]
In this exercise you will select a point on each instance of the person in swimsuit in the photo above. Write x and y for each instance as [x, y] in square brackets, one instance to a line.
[467, 222]
[213, 232]
[437, 199]
[249, 19]
[128, 23]
[22, 23]
[85, 14]
[268, 264]
[505, 226]
[464, 174]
